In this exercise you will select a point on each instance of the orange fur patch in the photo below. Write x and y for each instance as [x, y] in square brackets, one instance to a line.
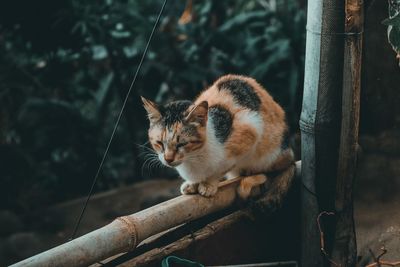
[241, 140]
[271, 112]
[248, 182]
[285, 159]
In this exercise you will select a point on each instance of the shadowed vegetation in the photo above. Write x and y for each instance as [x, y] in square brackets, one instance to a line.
[66, 67]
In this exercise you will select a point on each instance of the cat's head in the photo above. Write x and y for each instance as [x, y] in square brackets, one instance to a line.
[177, 130]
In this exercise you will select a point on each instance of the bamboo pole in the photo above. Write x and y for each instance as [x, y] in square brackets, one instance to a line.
[125, 233]
[345, 250]
[320, 123]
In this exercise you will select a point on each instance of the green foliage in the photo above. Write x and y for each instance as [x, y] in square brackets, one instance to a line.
[61, 86]
[393, 23]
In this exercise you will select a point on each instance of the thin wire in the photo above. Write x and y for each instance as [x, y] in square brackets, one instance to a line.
[117, 122]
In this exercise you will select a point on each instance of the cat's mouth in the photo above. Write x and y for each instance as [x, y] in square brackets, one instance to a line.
[174, 164]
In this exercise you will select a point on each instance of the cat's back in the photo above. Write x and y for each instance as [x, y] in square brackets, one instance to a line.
[237, 93]
[242, 109]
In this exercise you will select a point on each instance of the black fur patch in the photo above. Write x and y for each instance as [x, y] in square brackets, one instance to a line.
[285, 140]
[222, 120]
[174, 112]
[190, 130]
[242, 92]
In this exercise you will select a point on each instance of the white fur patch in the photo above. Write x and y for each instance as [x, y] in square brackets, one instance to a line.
[255, 164]
[265, 162]
[209, 162]
[251, 118]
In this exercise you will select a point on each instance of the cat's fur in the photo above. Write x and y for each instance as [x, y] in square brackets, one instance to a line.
[233, 128]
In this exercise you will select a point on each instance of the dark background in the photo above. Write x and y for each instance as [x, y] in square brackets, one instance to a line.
[66, 66]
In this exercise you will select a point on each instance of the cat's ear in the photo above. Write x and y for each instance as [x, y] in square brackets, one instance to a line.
[198, 114]
[153, 113]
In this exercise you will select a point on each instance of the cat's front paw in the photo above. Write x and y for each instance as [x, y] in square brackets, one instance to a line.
[207, 189]
[189, 188]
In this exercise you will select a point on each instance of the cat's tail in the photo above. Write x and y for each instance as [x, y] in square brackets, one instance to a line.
[277, 182]
[277, 189]
[248, 183]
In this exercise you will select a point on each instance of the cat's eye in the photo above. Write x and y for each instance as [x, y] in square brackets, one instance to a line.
[160, 144]
[181, 145]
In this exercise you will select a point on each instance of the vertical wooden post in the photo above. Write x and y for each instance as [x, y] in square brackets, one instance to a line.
[320, 124]
[344, 250]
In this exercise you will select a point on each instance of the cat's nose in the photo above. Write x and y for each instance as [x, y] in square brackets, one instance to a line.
[168, 159]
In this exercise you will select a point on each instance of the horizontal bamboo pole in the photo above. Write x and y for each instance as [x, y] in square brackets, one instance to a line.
[125, 233]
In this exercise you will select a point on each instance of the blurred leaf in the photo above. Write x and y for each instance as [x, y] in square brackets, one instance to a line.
[105, 87]
[394, 37]
[99, 52]
[394, 7]
[187, 14]
[393, 21]
[241, 19]
[205, 8]
[120, 34]
[130, 51]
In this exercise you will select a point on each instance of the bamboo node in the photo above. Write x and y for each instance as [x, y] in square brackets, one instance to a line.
[131, 228]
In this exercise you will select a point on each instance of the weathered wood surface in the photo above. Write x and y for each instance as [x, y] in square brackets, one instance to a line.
[320, 123]
[244, 236]
[155, 256]
[345, 250]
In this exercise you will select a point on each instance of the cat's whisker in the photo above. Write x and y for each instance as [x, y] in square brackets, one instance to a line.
[154, 164]
[147, 156]
[159, 165]
[147, 149]
[148, 162]
[147, 153]
[143, 145]
[145, 162]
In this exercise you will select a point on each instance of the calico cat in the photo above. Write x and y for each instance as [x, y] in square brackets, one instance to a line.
[233, 128]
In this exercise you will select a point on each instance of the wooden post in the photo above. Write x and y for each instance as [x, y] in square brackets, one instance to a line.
[344, 250]
[320, 124]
